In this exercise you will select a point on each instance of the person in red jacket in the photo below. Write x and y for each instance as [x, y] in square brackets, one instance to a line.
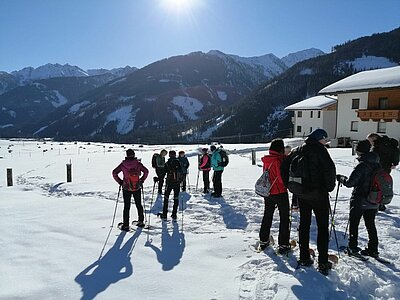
[278, 197]
[205, 166]
[134, 175]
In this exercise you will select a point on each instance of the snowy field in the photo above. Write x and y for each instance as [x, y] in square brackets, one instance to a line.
[57, 243]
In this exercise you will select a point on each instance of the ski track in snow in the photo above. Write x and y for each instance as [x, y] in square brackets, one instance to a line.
[261, 275]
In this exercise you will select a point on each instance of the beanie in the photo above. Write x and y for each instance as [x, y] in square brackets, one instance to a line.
[318, 134]
[363, 146]
[172, 153]
[212, 148]
[130, 153]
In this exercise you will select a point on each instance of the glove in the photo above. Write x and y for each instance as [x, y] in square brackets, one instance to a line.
[341, 178]
[120, 182]
[155, 179]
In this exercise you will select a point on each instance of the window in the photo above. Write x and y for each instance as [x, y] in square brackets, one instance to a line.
[311, 114]
[319, 114]
[298, 128]
[355, 103]
[299, 114]
[354, 126]
[383, 103]
[381, 127]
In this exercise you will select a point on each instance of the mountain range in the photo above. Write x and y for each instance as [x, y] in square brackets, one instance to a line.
[171, 91]
[190, 97]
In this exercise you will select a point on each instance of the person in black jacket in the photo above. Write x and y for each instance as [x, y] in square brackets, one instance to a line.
[360, 180]
[321, 180]
[171, 169]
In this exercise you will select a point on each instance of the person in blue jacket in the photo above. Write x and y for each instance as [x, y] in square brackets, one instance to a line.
[216, 161]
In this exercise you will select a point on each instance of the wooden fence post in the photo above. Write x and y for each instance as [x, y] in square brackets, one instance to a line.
[9, 177]
[69, 172]
[253, 157]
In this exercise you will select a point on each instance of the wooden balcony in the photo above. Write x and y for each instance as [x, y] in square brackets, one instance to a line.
[386, 115]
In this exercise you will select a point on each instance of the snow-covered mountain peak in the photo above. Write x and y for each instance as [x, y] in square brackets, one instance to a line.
[293, 58]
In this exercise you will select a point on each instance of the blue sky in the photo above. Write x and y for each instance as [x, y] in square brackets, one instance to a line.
[114, 33]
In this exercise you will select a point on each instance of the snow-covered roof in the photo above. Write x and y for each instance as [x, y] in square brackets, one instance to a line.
[374, 79]
[317, 102]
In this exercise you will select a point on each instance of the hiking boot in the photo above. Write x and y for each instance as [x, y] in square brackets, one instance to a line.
[174, 217]
[368, 252]
[205, 191]
[382, 207]
[324, 268]
[162, 216]
[125, 228]
[284, 249]
[140, 224]
[263, 245]
[305, 262]
[353, 251]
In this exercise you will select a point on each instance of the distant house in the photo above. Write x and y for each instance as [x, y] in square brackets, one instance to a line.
[367, 102]
[312, 113]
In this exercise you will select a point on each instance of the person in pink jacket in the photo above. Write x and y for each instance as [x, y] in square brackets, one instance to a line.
[205, 166]
[134, 174]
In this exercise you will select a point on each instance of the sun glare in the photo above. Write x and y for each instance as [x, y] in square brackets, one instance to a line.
[179, 6]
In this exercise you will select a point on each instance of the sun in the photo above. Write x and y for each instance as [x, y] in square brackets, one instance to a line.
[179, 6]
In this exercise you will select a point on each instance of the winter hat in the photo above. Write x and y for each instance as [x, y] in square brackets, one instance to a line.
[318, 134]
[172, 153]
[363, 146]
[204, 150]
[181, 152]
[277, 146]
[130, 153]
[212, 148]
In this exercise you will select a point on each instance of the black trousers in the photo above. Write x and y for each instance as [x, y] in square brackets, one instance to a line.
[282, 202]
[217, 182]
[320, 206]
[171, 187]
[127, 205]
[183, 177]
[160, 174]
[369, 220]
[206, 180]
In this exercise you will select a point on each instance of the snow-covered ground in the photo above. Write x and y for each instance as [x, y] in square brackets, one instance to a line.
[57, 243]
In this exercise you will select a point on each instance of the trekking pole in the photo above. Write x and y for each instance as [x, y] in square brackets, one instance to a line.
[112, 223]
[188, 181]
[334, 231]
[334, 210]
[155, 179]
[197, 181]
[347, 226]
[144, 202]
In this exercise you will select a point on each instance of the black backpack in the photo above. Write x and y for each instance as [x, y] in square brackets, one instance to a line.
[173, 170]
[154, 160]
[299, 174]
[224, 158]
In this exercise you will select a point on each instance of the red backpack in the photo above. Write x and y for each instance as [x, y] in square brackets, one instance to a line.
[132, 182]
[381, 189]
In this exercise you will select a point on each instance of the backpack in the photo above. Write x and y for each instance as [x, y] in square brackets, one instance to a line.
[299, 174]
[224, 158]
[381, 188]
[154, 160]
[174, 167]
[263, 184]
[132, 182]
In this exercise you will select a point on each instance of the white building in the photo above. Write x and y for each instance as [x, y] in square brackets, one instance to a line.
[312, 113]
[367, 102]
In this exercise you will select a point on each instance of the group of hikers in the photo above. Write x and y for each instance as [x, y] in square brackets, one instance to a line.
[307, 171]
[310, 174]
[173, 171]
